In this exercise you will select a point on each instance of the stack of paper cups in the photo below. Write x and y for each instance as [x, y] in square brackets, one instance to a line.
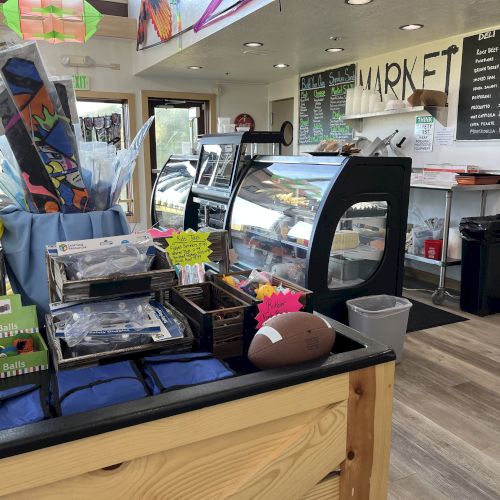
[365, 101]
[349, 101]
[374, 100]
[356, 102]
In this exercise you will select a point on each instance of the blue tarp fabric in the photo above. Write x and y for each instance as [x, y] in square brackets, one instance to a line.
[26, 235]
[173, 371]
[20, 406]
[95, 387]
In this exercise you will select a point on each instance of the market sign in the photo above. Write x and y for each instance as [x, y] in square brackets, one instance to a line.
[81, 82]
[189, 247]
[278, 303]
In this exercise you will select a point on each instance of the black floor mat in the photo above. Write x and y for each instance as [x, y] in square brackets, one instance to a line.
[423, 316]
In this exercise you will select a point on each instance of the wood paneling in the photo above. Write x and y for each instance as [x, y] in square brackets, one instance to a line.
[80, 457]
[279, 459]
[447, 412]
[118, 27]
[328, 489]
[364, 473]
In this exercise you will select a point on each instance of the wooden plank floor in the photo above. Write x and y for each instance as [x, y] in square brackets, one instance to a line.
[446, 424]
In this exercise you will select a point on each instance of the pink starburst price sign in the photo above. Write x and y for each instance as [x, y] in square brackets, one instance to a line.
[278, 303]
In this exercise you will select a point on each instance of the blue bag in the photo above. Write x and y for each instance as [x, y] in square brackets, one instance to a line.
[21, 405]
[26, 235]
[167, 372]
[94, 387]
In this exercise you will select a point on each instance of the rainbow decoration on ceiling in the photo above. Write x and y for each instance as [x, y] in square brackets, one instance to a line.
[54, 21]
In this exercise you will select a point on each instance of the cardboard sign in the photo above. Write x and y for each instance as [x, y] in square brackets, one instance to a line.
[189, 247]
[278, 303]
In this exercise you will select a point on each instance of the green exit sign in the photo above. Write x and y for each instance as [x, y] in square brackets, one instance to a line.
[81, 82]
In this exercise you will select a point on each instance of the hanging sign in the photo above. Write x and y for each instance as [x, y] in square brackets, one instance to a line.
[81, 82]
[278, 303]
[424, 133]
[189, 247]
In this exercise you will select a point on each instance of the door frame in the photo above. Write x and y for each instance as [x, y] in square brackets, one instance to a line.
[132, 128]
[160, 94]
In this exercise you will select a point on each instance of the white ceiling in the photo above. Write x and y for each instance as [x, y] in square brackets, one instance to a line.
[299, 34]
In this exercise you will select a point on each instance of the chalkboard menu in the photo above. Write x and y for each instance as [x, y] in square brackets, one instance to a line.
[322, 105]
[479, 99]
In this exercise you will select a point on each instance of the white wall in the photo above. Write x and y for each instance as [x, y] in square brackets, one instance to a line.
[485, 154]
[235, 98]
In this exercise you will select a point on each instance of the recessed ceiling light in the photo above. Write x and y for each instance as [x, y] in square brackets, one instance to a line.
[281, 65]
[334, 49]
[253, 44]
[195, 67]
[411, 27]
[358, 2]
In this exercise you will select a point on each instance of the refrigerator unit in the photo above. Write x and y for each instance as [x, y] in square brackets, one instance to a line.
[335, 225]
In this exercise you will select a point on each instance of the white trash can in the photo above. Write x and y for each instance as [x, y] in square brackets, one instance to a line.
[381, 317]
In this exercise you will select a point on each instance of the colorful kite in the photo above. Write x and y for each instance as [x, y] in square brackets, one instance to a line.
[54, 21]
[210, 17]
[161, 16]
[49, 128]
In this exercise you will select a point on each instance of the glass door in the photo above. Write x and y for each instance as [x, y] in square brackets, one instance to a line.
[178, 122]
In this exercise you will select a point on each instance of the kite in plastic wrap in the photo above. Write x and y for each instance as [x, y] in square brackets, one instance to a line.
[49, 129]
[54, 21]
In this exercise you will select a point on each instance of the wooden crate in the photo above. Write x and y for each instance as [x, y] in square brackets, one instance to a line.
[251, 323]
[306, 299]
[219, 245]
[57, 346]
[216, 316]
[61, 289]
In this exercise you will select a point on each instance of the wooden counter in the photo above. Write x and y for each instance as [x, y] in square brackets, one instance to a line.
[321, 431]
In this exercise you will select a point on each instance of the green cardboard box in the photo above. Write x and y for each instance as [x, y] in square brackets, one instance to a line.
[16, 318]
[21, 364]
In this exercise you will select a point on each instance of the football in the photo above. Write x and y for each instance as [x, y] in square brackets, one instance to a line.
[289, 339]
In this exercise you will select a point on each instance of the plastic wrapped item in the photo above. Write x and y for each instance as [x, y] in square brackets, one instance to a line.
[112, 317]
[128, 258]
[190, 274]
[125, 162]
[41, 112]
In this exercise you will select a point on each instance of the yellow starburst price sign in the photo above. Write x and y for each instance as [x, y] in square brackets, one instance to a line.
[189, 247]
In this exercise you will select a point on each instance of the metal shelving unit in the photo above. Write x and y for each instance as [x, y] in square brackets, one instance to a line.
[439, 294]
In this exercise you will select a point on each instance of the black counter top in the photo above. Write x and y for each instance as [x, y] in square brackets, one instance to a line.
[352, 351]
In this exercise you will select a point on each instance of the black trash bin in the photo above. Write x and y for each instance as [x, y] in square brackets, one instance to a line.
[480, 287]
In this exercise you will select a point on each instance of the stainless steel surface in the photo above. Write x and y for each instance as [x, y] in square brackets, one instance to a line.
[301, 160]
[457, 187]
[433, 262]
[484, 195]
[446, 235]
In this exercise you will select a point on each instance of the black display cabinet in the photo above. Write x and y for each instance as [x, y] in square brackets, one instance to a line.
[171, 190]
[335, 225]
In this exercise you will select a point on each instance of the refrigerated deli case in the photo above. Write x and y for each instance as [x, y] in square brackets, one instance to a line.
[334, 225]
[171, 191]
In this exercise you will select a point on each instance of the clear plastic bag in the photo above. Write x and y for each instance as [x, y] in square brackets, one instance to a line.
[128, 315]
[110, 261]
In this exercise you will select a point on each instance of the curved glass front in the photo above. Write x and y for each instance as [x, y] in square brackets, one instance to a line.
[273, 215]
[171, 192]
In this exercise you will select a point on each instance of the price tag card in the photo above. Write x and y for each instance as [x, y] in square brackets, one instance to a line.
[189, 247]
[278, 303]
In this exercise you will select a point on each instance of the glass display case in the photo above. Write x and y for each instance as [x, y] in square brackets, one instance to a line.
[171, 191]
[334, 225]
[223, 160]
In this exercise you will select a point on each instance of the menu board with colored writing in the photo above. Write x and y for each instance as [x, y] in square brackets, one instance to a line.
[479, 99]
[322, 105]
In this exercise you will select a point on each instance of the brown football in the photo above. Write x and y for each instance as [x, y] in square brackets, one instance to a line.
[291, 338]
